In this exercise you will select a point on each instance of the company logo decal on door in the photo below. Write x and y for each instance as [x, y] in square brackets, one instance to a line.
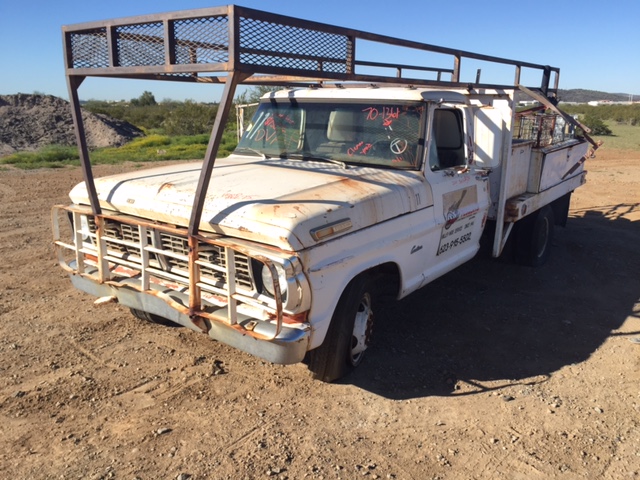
[460, 211]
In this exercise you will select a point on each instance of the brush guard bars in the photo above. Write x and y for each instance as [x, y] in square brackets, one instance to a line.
[203, 282]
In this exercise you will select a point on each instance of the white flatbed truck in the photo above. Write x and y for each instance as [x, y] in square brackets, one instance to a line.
[344, 181]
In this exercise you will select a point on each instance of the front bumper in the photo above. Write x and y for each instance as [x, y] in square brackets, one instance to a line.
[288, 347]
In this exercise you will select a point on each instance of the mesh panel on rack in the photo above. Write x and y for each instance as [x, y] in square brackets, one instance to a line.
[202, 40]
[89, 49]
[141, 44]
[283, 46]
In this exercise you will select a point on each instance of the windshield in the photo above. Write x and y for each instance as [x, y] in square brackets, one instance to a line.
[375, 134]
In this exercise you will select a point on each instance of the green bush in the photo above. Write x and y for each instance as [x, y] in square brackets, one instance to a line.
[597, 125]
[190, 118]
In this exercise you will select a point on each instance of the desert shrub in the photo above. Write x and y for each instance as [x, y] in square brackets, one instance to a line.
[190, 118]
[597, 125]
[149, 141]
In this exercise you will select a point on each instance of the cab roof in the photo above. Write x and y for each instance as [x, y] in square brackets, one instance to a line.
[371, 93]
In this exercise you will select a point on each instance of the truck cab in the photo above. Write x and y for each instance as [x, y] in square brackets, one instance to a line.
[417, 142]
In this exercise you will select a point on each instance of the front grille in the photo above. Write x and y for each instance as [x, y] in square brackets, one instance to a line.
[212, 256]
[217, 256]
[124, 233]
[171, 252]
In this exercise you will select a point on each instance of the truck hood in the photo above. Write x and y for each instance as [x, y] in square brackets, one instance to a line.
[289, 204]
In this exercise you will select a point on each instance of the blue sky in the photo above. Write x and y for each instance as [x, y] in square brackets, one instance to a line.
[596, 44]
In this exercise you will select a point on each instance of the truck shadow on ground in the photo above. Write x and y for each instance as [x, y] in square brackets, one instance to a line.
[492, 324]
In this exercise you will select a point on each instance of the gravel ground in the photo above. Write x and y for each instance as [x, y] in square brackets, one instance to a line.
[492, 372]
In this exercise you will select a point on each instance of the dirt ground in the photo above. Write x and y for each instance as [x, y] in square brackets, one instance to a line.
[493, 372]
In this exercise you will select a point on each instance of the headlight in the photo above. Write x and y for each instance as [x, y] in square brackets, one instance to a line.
[267, 280]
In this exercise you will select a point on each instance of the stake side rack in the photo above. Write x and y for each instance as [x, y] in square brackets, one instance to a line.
[230, 45]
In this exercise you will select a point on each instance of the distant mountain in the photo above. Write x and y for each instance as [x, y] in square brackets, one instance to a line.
[580, 95]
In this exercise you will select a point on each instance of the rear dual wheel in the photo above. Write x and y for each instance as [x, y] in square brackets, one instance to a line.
[534, 236]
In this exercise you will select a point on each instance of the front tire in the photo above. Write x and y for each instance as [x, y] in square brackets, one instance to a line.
[349, 333]
[153, 318]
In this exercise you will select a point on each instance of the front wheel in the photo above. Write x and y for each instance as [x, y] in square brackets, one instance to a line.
[349, 333]
[153, 318]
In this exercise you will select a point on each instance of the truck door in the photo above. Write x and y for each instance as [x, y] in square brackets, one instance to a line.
[460, 190]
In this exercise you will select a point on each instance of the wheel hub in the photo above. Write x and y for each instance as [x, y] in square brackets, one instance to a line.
[362, 327]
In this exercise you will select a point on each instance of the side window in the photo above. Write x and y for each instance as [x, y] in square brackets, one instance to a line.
[447, 145]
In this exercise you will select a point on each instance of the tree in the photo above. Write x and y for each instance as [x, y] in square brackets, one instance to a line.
[144, 100]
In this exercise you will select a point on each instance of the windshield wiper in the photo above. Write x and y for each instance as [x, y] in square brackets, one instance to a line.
[261, 154]
[299, 156]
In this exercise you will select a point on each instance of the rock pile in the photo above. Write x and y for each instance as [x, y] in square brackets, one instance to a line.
[29, 122]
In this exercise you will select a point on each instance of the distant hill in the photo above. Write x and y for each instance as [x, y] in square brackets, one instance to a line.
[580, 95]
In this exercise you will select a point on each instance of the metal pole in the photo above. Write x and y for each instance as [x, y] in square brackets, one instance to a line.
[455, 76]
[72, 84]
[546, 77]
[233, 80]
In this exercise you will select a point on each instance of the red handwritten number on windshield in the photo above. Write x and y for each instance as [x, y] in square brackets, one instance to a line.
[389, 114]
[372, 113]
